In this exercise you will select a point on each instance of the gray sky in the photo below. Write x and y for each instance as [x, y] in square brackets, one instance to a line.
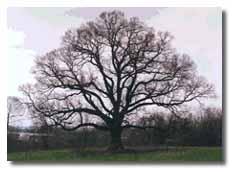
[35, 31]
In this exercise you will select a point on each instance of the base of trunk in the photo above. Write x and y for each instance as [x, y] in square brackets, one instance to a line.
[118, 147]
[116, 143]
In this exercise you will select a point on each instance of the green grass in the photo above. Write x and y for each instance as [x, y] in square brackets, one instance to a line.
[173, 155]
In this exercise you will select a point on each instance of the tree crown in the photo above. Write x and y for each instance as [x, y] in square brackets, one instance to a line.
[110, 68]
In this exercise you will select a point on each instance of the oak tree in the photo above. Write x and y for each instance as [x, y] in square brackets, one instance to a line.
[109, 69]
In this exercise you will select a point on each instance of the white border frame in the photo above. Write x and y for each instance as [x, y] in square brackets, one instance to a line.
[224, 4]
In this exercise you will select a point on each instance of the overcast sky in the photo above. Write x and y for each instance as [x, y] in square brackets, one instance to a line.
[35, 31]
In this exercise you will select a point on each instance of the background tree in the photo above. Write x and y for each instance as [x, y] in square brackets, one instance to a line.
[110, 69]
[207, 128]
[15, 110]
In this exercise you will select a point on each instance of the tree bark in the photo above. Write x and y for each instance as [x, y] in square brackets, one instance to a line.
[116, 141]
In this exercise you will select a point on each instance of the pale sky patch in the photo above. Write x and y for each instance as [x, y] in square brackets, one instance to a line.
[19, 62]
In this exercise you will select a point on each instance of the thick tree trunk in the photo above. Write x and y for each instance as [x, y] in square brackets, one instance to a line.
[116, 142]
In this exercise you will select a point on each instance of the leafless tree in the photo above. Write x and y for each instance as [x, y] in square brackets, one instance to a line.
[14, 110]
[111, 68]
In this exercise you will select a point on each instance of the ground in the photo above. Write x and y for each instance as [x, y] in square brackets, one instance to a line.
[174, 154]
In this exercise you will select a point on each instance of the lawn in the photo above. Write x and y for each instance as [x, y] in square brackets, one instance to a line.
[188, 154]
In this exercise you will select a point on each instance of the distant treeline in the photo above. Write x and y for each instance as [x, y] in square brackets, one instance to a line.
[169, 130]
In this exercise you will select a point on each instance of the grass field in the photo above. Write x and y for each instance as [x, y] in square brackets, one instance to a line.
[188, 154]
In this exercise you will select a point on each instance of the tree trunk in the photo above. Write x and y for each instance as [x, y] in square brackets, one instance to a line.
[116, 142]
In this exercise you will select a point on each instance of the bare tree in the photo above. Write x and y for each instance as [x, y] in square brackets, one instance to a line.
[111, 68]
[15, 110]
